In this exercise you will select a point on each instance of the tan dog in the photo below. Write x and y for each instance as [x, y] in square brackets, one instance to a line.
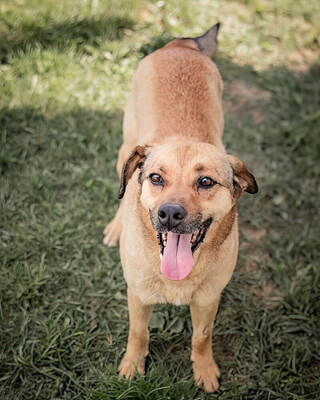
[177, 222]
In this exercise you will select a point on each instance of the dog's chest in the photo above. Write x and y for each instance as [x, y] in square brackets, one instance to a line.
[155, 290]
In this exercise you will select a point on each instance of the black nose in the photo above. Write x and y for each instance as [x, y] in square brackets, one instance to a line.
[171, 215]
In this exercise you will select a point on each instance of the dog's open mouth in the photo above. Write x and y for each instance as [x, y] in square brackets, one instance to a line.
[196, 239]
[176, 251]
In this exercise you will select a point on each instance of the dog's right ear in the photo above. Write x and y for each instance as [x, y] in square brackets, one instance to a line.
[135, 161]
[242, 178]
[208, 43]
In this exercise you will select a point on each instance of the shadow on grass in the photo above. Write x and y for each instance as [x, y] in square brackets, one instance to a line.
[63, 168]
[77, 32]
[27, 133]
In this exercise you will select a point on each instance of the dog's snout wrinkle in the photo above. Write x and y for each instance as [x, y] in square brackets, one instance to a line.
[171, 215]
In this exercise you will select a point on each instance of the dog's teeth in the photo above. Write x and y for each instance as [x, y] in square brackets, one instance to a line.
[164, 238]
[160, 256]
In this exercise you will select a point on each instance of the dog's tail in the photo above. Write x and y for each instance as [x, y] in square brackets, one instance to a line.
[208, 43]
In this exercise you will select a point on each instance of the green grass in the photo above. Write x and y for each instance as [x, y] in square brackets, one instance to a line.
[65, 71]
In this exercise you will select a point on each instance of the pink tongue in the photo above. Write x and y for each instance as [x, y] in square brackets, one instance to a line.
[177, 260]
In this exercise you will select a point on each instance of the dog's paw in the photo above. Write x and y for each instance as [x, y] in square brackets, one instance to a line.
[206, 374]
[112, 233]
[127, 368]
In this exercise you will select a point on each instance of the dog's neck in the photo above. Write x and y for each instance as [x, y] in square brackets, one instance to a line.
[163, 137]
[220, 230]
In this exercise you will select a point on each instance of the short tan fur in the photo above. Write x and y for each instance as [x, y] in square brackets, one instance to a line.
[173, 127]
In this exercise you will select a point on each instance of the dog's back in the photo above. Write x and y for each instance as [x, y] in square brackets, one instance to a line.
[177, 92]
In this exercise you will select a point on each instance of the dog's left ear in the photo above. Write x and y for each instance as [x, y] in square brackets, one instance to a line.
[135, 161]
[242, 177]
[208, 43]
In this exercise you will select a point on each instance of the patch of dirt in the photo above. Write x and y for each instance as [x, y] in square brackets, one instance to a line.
[301, 60]
[251, 248]
[271, 294]
[253, 234]
[222, 349]
[109, 340]
[250, 265]
[254, 257]
[145, 15]
[266, 290]
[242, 98]
[247, 93]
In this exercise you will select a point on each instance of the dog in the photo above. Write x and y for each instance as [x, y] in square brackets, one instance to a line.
[177, 222]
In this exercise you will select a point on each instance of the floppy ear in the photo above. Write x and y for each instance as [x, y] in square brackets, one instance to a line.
[242, 177]
[135, 161]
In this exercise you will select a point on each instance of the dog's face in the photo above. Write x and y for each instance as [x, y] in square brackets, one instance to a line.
[195, 178]
[186, 187]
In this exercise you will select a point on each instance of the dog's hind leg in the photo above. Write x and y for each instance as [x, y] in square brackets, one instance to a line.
[113, 230]
[138, 341]
[205, 370]
[130, 138]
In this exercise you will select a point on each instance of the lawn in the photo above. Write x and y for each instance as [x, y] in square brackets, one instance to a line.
[65, 72]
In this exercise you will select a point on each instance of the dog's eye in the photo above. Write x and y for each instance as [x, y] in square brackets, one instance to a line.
[156, 179]
[206, 182]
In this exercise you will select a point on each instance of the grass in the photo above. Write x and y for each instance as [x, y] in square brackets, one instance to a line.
[66, 69]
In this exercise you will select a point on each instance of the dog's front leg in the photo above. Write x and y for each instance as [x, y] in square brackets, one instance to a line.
[138, 341]
[206, 371]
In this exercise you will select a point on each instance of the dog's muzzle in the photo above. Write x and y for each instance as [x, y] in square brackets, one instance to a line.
[171, 215]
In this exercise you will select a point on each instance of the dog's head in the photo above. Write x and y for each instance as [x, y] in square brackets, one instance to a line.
[185, 187]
